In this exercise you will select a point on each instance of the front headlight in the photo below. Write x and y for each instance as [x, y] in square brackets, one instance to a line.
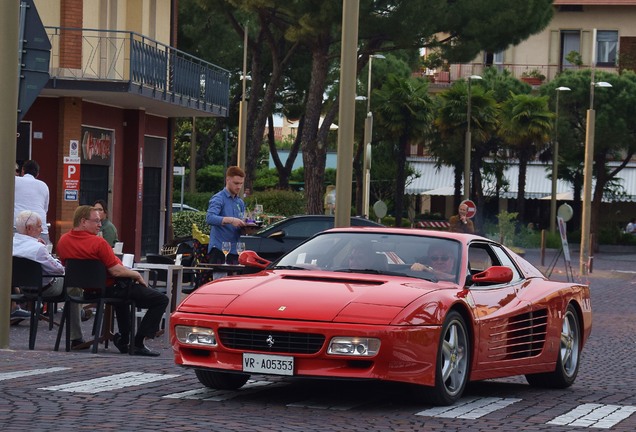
[354, 346]
[195, 335]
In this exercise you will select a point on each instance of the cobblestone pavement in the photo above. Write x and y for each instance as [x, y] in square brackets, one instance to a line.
[47, 390]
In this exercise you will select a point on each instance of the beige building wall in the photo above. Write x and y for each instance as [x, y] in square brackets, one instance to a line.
[544, 48]
[150, 18]
[49, 11]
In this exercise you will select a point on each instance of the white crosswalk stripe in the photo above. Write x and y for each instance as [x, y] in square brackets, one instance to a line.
[208, 394]
[26, 373]
[472, 408]
[599, 416]
[109, 383]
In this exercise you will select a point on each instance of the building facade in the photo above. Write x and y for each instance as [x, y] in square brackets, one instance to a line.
[102, 126]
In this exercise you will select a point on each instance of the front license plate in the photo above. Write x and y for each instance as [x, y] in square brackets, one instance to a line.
[268, 364]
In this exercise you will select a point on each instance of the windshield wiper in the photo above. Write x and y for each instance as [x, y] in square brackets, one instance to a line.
[425, 276]
[290, 267]
[367, 271]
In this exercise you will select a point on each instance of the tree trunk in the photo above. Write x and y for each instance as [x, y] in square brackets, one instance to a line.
[521, 200]
[458, 186]
[314, 146]
[358, 172]
[400, 180]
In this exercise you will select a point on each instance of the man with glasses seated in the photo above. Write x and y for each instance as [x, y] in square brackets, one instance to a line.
[440, 261]
[82, 242]
[28, 244]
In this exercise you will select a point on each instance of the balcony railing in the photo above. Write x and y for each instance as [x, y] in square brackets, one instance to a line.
[148, 66]
[461, 71]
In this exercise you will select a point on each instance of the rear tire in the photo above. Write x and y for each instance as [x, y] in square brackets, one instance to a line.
[567, 365]
[221, 380]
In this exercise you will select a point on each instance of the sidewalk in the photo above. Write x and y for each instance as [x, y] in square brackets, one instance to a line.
[609, 258]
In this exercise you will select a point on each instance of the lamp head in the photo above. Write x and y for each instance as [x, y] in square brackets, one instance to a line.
[476, 77]
[563, 88]
[378, 56]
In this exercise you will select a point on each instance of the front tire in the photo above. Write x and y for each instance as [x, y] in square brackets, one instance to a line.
[567, 366]
[453, 360]
[221, 380]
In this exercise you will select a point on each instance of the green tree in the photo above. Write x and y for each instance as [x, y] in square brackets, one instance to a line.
[615, 131]
[281, 29]
[526, 127]
[451, 122]
[405, 117]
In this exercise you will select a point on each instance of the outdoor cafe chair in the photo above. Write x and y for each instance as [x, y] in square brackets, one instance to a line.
[27, 276]
[90, 275]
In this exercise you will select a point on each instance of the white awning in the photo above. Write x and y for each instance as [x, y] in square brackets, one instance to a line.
[439, 181]
[444, 191]
[565, 196]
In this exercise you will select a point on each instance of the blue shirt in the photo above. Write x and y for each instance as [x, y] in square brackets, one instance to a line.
[221, 205]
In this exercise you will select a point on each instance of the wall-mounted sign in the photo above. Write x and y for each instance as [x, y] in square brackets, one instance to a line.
[70, 195]
[71, 177]
[97, 145]
[73, 148]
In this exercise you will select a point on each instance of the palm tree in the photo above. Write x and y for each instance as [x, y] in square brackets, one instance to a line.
[404, 116]
[451, 121]
[527, 127]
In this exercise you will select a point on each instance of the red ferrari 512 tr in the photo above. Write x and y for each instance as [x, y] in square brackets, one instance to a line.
[431, 309]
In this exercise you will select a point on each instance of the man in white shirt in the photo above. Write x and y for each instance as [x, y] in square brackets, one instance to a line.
[32, 194]
[28, 244]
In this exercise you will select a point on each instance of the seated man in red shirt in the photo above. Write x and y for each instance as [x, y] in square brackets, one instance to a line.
[82, 242]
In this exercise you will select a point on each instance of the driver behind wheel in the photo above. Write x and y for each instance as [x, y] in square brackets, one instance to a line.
[440, 260]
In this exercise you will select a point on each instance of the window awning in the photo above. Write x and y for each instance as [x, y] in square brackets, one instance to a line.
[434, 180]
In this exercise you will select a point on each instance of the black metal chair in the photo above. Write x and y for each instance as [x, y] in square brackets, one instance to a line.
[28, 277]
[90, 276]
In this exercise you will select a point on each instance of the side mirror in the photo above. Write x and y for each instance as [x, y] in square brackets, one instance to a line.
[251, 259]
[494, 275]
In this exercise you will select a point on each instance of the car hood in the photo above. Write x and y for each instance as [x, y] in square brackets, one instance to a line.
[308, 295]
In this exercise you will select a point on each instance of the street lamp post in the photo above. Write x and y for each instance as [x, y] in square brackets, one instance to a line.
[193, 157]
[468, 144]
[587, 179]
[242, 127]
[555, 162]
[346, 111]
[368, 136]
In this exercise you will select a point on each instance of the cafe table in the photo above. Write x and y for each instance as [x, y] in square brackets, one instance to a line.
[174, 283]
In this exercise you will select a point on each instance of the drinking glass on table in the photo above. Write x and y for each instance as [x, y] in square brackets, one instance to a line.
[225, 248]
[258, 210]
[240, 247]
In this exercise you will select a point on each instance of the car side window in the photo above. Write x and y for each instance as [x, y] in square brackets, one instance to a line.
[507, 262]
[478, 259]
[304, 228]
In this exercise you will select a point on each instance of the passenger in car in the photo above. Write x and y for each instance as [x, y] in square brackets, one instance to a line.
[364, 258]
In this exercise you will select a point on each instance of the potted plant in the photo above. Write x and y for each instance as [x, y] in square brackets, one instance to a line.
[574, 58]
[533, 77]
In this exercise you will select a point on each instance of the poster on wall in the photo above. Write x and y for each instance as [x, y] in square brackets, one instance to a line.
[96, 146]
